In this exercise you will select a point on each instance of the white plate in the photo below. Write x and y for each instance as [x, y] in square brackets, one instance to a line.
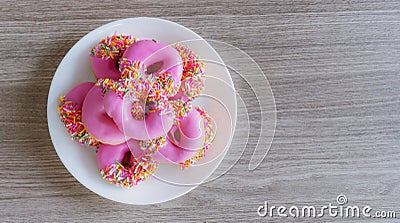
[169, 181]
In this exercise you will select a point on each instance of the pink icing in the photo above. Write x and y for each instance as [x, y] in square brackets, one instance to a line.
[113, 107]
[134, 147]
[151, 53]
[154, 124]
[108, 154]
[105, 68]
[180, 95]
[173, 153]
[191, 139]
[96, 120]
[190, 131]
[78, 93]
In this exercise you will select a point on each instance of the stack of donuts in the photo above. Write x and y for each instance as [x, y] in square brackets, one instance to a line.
[138, 113]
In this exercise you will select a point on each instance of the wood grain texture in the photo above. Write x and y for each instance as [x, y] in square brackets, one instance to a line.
[334, 68]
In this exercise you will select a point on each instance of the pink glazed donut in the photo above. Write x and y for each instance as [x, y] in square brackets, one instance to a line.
[154, 124]
[70, 111]
[106, 54]
[96, 120]
[188, 140]
[157, 58]
[118, 166]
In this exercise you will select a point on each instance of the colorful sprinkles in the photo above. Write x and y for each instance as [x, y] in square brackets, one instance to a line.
[149, 91]
[191, 63]
[131, 69]
[166, 83]
[180, 108]
[130, 176]
[112, 47]
[209, 125]
[192, 82]
[71, 116]
[192, 86]
[151, 146]
[138, 111]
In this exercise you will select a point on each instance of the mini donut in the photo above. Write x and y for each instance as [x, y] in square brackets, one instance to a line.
[70, 111]
[184, 139]
[106, 54]
[189, 132]
[188, 140]
[157, 58]
[118, 166]
[97, 122]
[153, 124]
[210, 131]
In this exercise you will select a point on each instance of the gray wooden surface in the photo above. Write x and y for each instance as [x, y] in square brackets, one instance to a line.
[334, 68]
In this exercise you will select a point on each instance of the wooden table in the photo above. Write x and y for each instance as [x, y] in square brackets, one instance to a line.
[333, 66]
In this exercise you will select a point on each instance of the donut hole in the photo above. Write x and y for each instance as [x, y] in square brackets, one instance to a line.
[155, 67]
[175, 136]
[117, 64]
[126, 161]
